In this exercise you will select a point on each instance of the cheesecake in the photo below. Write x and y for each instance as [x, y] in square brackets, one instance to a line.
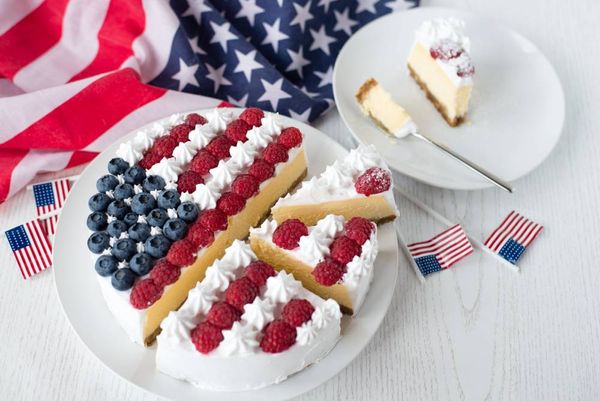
[334, 258]
[175, 197]
[360, 185]
[440, 63]
[245, 326]
[376, 103]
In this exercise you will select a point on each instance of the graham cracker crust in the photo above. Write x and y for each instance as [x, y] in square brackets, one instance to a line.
[365, 88]
[453, 122]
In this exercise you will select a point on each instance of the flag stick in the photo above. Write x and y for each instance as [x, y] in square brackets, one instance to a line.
[70, 178]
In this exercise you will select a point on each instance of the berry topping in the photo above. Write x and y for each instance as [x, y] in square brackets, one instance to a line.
[194, 119]
[117, 166]
[143, 203]
[134, 175]
[245, 186]
[168, 199]
[106, 183]
[182, 253]
[236, 131]
[213, 219]
[123, 191]
[203, 162]
[297, 311]
[261, 170]
[446, 50]
[258, 272]
[130, 219]
[206, 337]
[149, 160]
[123, 279]
[188, 180]
[157, 217]
[328, 272]
[141, 263]
[223, 315]
[278, 336]
[97, 221]
[164, 146]
[465, 68]
[290, 137]
[117, 209]
[200, 235]
[343, 249]
[153, 182]
[180, 132]
[116, 228]
[288, 234]
[124, 249]
[139, 232]
[252, 116]
[157, 246]
[175, 229]
[106, 265]
[219, 147]
[164, 273]
[373, 181]
[99, 202]
[231, 203]
[144, 293]
[188, 211]
[359, 229]
[275, 153]
[97, 242]
[241, 292]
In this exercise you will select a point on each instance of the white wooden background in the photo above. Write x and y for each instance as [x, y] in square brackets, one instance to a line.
[479, 332]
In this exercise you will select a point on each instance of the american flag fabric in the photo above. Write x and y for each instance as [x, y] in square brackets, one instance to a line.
[30, 247]
[442, 251]
[50, 196]
[512, 237]
[75, 75]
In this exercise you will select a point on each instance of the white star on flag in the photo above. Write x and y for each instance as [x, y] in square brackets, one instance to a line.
[273, 93]
[249, 10]
[325, 3]
[247, 63]
[366, 5]
[274, 35]
[302, 15]
[186, 74]
[195, 47]
[298, 61]
[302, 116]
[343, 22]
[216, 75]
[238, 102]
[326, 77]
[399, 5]
[321, 40]
[222, 34]
[196, 9]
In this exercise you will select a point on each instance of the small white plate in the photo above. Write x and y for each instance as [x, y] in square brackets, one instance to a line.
[80, 296]
[517, 106]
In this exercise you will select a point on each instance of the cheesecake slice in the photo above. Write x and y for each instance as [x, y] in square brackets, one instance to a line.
[440, 63]
[360, 185]
[377, 103]
[334, 258]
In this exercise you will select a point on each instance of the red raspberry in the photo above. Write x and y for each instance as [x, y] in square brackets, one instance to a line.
[144, 293]
[297, 311]
[223, 315]
[245, 186]
[290, 137]
[236, 131]
[278, 337]
[225, 104]
[164, 273]
[344, 249]
[261, 169]
[180, 132]
[200, 235]
[231, 203]
[359, 229]
[328, 272]
[446, 50]
[373, 181]
[181, 253]
[187, 181]
[288, 234]
[203, 162]
[206, 337]
[275, 153]
[465, 69]
[164, 146]
[213, 219]
[195, 119]
[241, 292]
[219, 147]
[252, 116]
[149, 160]
[258, 272]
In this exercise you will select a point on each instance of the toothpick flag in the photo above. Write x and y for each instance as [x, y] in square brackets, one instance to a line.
[50, 196]
[512, 237]
[31, 248]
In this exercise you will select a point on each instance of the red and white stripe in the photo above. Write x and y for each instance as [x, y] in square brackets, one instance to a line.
[36, 257]
[449, 246]
[61, 189]
[49, 226]
[514, 226]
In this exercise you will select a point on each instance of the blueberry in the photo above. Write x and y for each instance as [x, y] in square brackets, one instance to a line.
[118, 209]
[99, 241]
[157, 217]
[99, 202]
[134, 175]
[175, 229]
[143, 203]
[97, 221]
[187, 211]
[123, 191]
[116, 228]
[141, 263]
[153, 182]
[123, 279]
[106, 265]
[130, 219]
[117, 166]
[157, 246]
[139, 232]
[107, 182]
[168, 199]
[124, 249]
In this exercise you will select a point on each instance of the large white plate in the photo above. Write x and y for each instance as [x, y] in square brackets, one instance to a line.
[85, 309]
[517, 107]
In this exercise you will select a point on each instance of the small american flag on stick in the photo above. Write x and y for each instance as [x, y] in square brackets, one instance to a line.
[512, 237]
[31, 248]
[50, 196]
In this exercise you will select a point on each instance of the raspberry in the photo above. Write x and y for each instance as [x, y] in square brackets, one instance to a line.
[236, 131]
[180, 132]
[200, 235]
[223, 315]
[261, 170]
[241, 292]
[149, 160]
[144, 293]
[297, 311]
[288, 234]
[275, 153]
[219, 147]
[164, 273]
[359, 229]
[245, 186]
[203, 162]
[290, 138]
[164, 146]
[206, 337]
[231, 203]
[446, 50]
[213, 219]
[225, 104]
[278, 337]
[344, 249]
[195, 119]
[182, 253]
[465, 68]
[252, 116]
[328, 272]
[373, 181]
[258, 272]
[187, 181]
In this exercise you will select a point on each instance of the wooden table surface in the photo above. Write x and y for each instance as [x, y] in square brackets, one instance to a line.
[478, 332]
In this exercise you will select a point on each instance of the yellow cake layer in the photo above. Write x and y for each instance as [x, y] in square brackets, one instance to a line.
[378, 104]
